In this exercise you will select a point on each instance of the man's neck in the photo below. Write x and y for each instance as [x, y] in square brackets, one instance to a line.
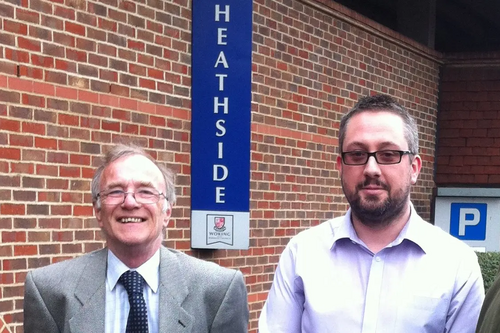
[377, 238]
[134, 257]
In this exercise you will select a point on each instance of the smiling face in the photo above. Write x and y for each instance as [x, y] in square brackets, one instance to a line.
[378, 194]
[131, 227]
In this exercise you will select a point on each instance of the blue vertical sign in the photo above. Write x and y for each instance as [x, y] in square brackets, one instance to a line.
[220, 127]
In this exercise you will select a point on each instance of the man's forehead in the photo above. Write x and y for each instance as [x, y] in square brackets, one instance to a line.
[133, 161]
[375, 121]
[382, 128]
[136, 169]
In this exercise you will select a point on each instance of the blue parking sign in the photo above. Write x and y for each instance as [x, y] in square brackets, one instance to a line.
[468, 221]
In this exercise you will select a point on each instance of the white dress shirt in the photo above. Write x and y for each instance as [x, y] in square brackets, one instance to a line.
[328, 280]
[117, 305]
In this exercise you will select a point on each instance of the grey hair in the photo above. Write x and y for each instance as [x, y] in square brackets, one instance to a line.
[121, 150]
[386, 103]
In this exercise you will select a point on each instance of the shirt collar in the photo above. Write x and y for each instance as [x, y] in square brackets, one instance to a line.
[413, 231]
[149, 270]
[345, 230]
[417, 232]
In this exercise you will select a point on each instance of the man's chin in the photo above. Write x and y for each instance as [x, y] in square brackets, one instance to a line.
[372, 203]
[373, 210]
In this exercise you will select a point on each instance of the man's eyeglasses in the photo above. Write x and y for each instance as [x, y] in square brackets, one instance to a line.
[145, 196]
[359, 157]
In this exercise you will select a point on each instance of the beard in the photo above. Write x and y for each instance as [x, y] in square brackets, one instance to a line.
[373, 211]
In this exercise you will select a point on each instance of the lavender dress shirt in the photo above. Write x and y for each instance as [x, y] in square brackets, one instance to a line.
[327, 280]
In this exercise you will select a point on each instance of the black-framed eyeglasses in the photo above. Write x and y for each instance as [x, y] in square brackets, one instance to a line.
[359, 157]
[146, 196]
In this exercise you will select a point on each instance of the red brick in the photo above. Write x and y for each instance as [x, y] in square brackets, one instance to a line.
[29, 44]
[130, 129]
[136, 45]
[10, 125]
[108, 50]
[13, 236]
[74, 28]
[155, 73]
[7, 68]
[42, 61]
[63, 12]
[12, 209]
[56, 77]
[45, 143]
[64, 210]
[61, 184]
[120, 90]
[40, 33]
[148, 84]
[10, 153]
[98, 60]
[66, 119]
[88, 96]
[137, 70]
[46, 170]
[33, 100]
[107, 24]
[83, 211]
[6, 10]
[20, 84]
[17, 55]
[27, 16]
[79, 56]
[15, 27]
[21, 140]
[111, 126]
[128, 103]
[90, 123]
[79, 159]
[69, 172]
[67, 93]
[25, 250]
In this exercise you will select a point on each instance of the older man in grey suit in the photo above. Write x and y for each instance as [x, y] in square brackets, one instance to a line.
[134, 284]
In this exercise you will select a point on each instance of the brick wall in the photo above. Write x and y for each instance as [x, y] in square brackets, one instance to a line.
[469, 123]
[3, 327]
[79, 75]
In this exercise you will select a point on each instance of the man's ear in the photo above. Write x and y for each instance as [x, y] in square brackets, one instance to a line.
[167, 212]
[416, 166]
[339, 163]
[97, 211]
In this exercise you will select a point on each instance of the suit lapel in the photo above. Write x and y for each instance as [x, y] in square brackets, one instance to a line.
[173, 290]
[91, 293]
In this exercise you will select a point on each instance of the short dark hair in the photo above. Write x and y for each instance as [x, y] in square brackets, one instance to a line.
[386, 103]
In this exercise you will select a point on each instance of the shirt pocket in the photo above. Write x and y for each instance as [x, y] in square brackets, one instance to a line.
[422, 314]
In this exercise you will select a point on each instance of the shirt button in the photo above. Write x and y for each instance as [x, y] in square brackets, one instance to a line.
[377, 259]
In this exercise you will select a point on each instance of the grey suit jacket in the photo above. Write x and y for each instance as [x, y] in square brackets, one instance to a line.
[196, 296]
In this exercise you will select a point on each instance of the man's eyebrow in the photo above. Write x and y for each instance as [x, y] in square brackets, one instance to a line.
[136, 183]
[361, 145]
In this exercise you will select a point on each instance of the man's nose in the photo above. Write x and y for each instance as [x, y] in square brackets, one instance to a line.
[129, 199]
[372, 167]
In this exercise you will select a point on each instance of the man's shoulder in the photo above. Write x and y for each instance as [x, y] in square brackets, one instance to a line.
[441, 241]
[320, 236]
[195, 267]
[66, 274]
[326, 228]
[69, 266]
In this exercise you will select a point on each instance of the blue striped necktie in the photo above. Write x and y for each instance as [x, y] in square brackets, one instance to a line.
[138, 316]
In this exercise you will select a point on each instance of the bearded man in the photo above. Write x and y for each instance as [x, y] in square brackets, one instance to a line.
[380, 268]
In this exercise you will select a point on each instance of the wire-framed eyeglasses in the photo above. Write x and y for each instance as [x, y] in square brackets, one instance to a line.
[146, 196]
[359, 157]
